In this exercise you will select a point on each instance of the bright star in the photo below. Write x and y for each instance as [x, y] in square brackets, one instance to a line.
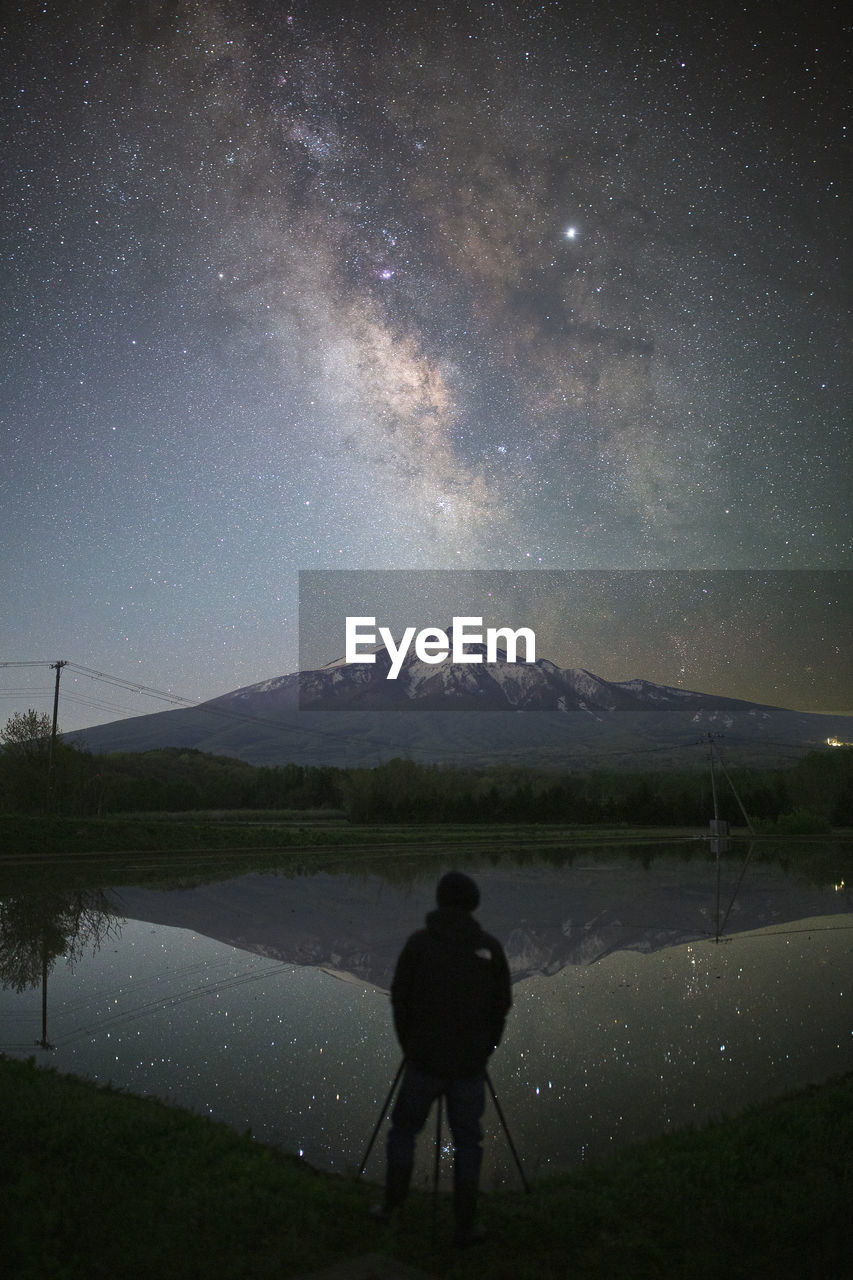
[571, 233]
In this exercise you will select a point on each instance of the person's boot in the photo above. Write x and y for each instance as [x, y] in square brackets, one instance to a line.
[464, 1212]
[397, 1178]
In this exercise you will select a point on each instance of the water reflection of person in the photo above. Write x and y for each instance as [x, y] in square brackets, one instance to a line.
[450, 997]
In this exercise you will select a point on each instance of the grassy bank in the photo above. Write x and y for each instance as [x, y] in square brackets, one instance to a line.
[139, 833]
[52, 852]
[235, 832]
[97, 1183]
[222, 832]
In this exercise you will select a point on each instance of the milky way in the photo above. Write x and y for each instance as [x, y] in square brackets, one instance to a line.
[389, 286]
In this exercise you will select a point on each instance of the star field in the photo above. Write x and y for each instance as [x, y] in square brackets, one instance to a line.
[392, 286]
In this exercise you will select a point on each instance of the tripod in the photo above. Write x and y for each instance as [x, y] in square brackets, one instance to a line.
[386, 1105]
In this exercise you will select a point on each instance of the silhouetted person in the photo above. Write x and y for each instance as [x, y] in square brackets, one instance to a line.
[450, 997]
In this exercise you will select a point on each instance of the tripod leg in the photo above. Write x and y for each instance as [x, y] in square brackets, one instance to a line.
[435, 1174]
[382, 1115]
[502, 1119]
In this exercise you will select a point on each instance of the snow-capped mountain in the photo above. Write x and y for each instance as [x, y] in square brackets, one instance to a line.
[351, 713]
[481, 686]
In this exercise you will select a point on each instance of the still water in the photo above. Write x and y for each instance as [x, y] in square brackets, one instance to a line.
[650, 991]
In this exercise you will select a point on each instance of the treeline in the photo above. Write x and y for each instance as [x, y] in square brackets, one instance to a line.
[170, 780]
[814, 794]
[178, 779]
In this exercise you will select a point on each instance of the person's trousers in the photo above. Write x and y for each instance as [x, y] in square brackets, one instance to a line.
[466, 1101]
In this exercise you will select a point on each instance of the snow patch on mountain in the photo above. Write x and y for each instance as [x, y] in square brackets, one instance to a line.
[655, 692]
[714, 716]
[266, 686]
[586, 685]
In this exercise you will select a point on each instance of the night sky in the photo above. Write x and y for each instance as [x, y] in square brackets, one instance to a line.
[392, 286]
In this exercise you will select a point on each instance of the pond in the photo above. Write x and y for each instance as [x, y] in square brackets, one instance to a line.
[653, 988]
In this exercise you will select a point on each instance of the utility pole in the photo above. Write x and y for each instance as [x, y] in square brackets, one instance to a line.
[44, 1043]
[57, 667]
[715, 827]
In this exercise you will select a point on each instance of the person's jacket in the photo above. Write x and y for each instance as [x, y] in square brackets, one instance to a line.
[450, 995]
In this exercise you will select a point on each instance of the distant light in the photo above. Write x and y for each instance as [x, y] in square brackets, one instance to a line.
[571, 233]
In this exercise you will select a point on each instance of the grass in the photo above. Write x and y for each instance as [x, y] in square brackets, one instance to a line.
[95, 1183]
[24, 834]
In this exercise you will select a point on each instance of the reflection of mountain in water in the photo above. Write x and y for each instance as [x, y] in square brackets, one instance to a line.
[546, 918]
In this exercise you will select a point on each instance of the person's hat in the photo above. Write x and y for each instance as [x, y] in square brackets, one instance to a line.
[457, 890]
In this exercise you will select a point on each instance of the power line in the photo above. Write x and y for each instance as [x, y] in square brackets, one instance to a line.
[134, 686]
[37, 663]
[99, 704]
[24, 689]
